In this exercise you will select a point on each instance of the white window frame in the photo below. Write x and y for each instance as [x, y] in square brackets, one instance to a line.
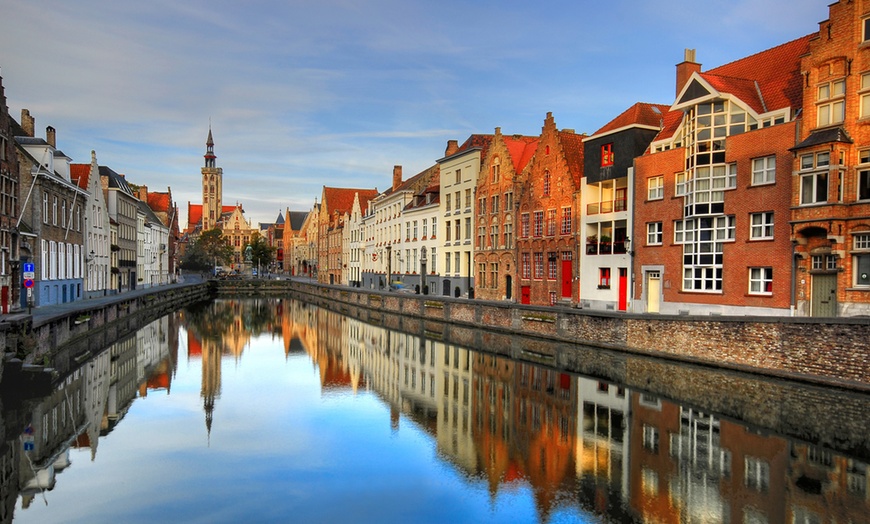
[814, 167]
[656, 188]
[861, 260]
[831, 102]
[760, 280]
[761, 226]
[864, 95]
[654, 235]
[764, 170]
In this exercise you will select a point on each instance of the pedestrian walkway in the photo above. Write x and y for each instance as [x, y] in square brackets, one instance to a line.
[45, 314]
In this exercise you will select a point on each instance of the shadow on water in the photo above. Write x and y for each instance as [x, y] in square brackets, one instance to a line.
[624, 437]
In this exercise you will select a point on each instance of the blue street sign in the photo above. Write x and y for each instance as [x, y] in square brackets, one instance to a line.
[29, 267]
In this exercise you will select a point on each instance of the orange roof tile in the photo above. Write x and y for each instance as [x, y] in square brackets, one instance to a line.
[777, 71]
[521, 149]
[340, 199]
[194, 214]
[572, 146]
[80, 174]
[159, 202]
[639, 114]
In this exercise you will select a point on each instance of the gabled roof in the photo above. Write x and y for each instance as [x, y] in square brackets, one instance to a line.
[521, 149]
[572, 146]
[80, 174]
[340, 199]
[194, 214]
[825, 136]
[116, 181]
[777, 71]
[280, 219]
[297, 219]
[159, 202]
[640, 114]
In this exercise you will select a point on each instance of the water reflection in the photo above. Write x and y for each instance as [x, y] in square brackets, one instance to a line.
[582, 447]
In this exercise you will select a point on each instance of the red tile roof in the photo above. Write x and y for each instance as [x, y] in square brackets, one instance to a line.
[521, 149]
[194, 214]
[160, 202]
[777, 71]
[572, 146]
[80, 174]
[639, 114]
[340, 199]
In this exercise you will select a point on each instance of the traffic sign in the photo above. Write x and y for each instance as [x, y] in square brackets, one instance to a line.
[28, 283]
[28, 267]
[29, 274]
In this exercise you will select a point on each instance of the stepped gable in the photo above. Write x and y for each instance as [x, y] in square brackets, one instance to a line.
[572, 149]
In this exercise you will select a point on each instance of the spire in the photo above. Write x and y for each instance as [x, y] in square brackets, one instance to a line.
[209, 151]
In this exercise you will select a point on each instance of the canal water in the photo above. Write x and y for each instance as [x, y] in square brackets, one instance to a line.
[277, 411]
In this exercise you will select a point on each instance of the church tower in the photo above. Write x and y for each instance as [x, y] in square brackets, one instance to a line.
[212, 187]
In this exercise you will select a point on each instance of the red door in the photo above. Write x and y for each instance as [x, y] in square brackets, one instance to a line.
[567, 277]
[525, 295]
[623, 289]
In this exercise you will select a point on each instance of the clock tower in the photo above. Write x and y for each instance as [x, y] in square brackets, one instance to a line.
[212, 187]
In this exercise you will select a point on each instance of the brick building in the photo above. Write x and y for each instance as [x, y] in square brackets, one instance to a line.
[830, 222]
[712, 195]
[549, 194]
[495, 255]
[10, 287]
[334, 204]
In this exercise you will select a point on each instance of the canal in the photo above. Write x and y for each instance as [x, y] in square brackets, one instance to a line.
[272, 410]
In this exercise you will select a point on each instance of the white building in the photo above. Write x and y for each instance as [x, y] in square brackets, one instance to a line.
[97, 245]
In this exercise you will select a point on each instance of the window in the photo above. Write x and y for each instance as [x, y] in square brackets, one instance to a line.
[551, 266]
[468, 198]
[539, 265]
[456, 267]
[447, 260]
[54, 211]
[654, 234]
[425, 228]
[495, 170]
[524, 225]
[651, 438]
[447, 230]
[457, 230]
[814, 186]
[407, 231]
[481, 206]
[481, 237]
[458, 180]
[760, 280]
[481, 275]
[527, 268]
[866, 23]
[655, 188]
[764, 170]
[434, 227]
[45, 207]
[864, 175]
[681, 186]
[606, 155]
[495, 203]
[447, 202]
[756, 473]
[493, 275]
[761, 226]
[865, 95]
[508, 235]
[831, 104]
[546, 183]
[861, 259]
[604, 278]
[551, 222]
[493, 235]
[539, 223]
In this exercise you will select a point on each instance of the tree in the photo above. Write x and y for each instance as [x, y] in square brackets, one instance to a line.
[210, 249]
[261, 252]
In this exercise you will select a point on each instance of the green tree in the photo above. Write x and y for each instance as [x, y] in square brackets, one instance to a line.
[210, 249]
[262, 253]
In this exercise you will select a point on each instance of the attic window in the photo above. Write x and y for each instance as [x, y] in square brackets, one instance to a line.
[607, 155]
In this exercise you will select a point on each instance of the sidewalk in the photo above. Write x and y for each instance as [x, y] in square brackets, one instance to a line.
[44, 314]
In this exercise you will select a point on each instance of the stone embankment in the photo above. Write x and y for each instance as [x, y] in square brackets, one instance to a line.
[832, 352]
[60, 336]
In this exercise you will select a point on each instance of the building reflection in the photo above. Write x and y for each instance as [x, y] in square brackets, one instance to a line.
[578, 444]
[83, 407]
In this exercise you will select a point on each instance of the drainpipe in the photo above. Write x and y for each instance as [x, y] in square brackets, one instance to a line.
[794, 255]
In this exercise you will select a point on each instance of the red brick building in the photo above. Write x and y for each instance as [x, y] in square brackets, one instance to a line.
[495, 255]
[549, 195]
[831, 182]
[713, 194]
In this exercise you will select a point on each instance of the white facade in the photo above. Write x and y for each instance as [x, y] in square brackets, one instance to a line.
[459, 174]
[421, 243]
[97, 237]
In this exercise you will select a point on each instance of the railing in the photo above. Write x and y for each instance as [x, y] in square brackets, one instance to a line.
[608, 206]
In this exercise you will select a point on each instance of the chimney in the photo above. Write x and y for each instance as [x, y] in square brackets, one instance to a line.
[51, 136]
[498, 130]
[27, 122]
[143, 193]
[686, 68]
[397, 177]
[452, 147]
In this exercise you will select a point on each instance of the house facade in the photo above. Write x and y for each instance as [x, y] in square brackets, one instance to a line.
[421, 240]
[830, 219]
[52, 218]
[713, 194]
[10, 264]
[460, 167]
[496, 218]
[97, 246]
[124, 211]
[605, 214]
[549, 194]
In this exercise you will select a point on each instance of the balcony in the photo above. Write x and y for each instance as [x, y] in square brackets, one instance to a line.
[609, 206]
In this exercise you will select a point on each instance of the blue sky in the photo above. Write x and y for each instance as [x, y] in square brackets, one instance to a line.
[335, 92]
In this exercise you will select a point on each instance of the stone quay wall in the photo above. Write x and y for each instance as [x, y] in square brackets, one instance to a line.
[830, 351]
